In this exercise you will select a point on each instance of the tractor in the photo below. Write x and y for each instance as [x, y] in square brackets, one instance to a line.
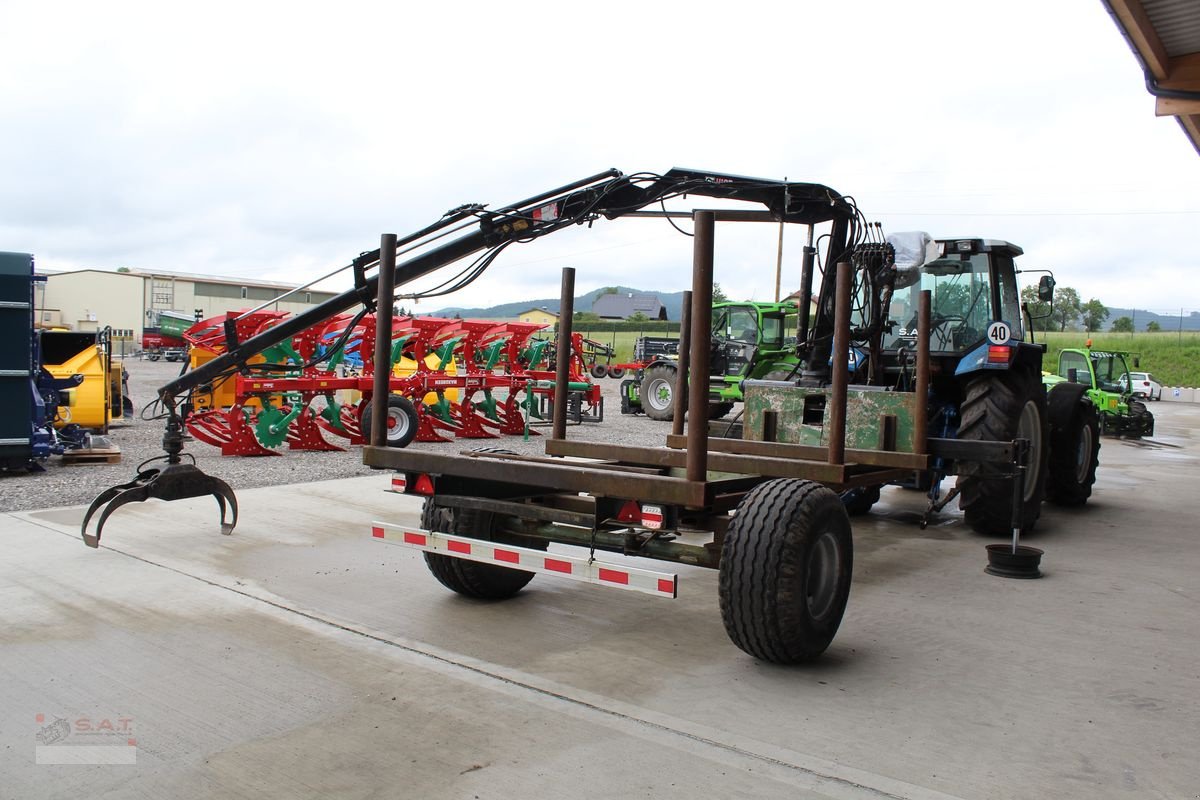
[749, 341]
[985, 382]
[1104, 376]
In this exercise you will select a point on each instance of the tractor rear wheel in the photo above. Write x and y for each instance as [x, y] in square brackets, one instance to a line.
[785, 570]
[658, 393]
[1074, 446]
[1001, 407]
[471, 578]
[401, 421]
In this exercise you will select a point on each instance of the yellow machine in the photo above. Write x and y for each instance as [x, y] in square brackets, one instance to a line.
[98, 397]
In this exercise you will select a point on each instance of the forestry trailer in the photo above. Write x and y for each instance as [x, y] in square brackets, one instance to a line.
[955, 391]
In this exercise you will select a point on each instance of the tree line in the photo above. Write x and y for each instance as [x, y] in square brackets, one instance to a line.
[1068, 310]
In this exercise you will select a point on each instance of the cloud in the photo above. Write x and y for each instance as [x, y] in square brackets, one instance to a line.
[280, 140]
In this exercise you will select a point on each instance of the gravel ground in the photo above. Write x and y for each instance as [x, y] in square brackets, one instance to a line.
[139, 439]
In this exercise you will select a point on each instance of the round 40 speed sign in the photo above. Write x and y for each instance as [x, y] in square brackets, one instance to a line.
[999, 333]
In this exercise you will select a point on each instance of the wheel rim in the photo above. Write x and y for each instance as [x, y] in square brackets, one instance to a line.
[824, 563]
[1030, 427]
[397, 424]
[659, 395]
[1083, 459]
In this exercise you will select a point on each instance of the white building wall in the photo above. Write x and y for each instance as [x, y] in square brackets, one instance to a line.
[88, 300]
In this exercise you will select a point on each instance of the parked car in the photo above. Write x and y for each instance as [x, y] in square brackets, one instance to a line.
[1144, 385]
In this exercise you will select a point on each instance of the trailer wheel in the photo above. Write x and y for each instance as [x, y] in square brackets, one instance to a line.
[785, 570]
[471, 578]
[1000, 407]
[598, 370]
[401, 422]
[658, 393]
[1074, 446]
[616, 372]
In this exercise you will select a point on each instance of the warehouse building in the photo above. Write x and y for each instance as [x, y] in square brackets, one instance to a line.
[131, 302]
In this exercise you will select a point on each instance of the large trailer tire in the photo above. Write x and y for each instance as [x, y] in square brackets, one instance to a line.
[470, 578]
[402, 421]
[1001, 407]
[658, 393]
[785, 570]
[1074, 446]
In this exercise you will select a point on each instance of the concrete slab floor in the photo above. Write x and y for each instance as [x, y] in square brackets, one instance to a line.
[299, 658]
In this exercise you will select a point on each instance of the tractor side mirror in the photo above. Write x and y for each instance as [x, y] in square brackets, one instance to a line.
[1073, 375]
[1046, 288]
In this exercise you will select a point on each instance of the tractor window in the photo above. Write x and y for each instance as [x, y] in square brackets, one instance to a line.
[1010, 295]
[1110, 371]
[720, 322]
[1068, 361]
[772, 331]
[743, 325]
[961, 304]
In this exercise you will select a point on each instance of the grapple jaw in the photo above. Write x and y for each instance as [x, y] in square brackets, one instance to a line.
[172, 482]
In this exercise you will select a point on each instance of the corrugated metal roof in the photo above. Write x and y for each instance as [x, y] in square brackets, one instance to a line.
[1177, 23]
[1165, 37]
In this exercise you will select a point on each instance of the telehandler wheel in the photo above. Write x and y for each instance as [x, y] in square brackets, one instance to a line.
[1002, 406]
[658, 393]
[471, 578]
[718, 410]
[785, 570]
[1142, 420]
[1074, 446]
[401, 423]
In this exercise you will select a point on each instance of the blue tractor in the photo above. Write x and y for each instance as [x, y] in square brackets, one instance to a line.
[986, 374]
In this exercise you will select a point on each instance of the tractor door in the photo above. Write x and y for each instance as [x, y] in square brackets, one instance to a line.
[735, 340]
[1075, 367]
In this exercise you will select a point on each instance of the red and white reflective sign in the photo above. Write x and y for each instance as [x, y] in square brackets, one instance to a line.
[647, 581]
[399, 483]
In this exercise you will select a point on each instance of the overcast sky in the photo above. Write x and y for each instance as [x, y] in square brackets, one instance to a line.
[278, 140]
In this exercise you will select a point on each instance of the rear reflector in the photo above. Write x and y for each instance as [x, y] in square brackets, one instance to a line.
[646, 581]
[424, 485]
[399, 483]
[630, 512]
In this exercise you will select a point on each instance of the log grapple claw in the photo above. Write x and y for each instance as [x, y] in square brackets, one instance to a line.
[172, 482]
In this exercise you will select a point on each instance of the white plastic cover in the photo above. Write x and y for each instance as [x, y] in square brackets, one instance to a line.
[913, 248]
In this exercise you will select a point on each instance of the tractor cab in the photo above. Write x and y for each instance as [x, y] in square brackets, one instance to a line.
[972, 284]
[744, 334]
